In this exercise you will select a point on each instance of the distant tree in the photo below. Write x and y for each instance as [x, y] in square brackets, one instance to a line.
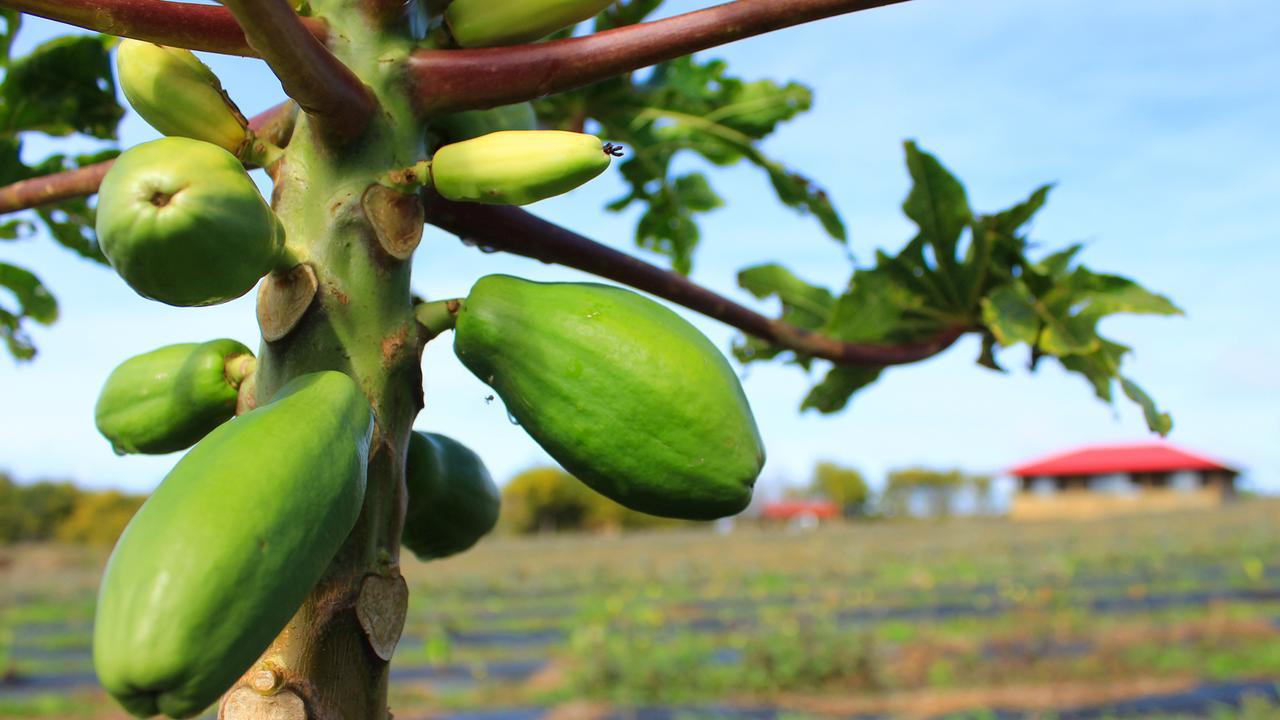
[10, 511]
[844, 487]
[548, 499]
[935, 490]
[544, 499]
[98, 518]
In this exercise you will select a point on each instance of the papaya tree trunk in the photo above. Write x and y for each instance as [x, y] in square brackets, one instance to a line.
[347, 308]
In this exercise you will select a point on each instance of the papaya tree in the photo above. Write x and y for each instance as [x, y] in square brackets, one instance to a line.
[400, 114]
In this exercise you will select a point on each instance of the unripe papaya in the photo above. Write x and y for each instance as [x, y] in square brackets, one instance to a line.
[224, 552]
[165, 400]
[179, 95]
[474, 123]
[182, 222]
[453, 501]
[624, 393]
[488, 23]
[515, 167]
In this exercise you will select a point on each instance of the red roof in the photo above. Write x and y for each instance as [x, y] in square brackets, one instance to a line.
[787, 509]
[1104, 459]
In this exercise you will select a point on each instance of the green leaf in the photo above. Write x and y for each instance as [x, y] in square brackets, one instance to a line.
[987, 356]
[16, 229]
[18, 343]
[1100, 367]
[938, 205]
[842, 381]
[1111, 294]
[624, 13]
[34, 300]
[62, 87]
[1009, 312]
[803, 304]
[70, 223]
[1157, 421]
[12, 23]
[878, 309]
[687, 107]
[1010, 221]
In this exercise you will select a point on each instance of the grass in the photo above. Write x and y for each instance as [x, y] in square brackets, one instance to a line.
[879, 614]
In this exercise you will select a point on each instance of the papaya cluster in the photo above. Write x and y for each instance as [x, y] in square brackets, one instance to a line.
[625, 394]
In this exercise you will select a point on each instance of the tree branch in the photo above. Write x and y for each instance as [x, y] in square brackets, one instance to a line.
[274, 125]
[510, 229]
[451, 80]
[339, 103]
[186, 25]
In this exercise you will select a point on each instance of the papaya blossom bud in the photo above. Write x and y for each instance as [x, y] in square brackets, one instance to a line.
[179, 95]
[517, 167]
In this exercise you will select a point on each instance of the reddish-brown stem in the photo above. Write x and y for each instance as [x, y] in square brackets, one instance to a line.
[274, 125]
[451, 80]
[326, 90]
[198, 27]
[517, 231]
[52, 188]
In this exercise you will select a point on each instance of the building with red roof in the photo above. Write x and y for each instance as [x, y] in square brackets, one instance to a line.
[1113, 479]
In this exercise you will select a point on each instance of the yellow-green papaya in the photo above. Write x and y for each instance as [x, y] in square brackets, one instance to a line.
[167, 399]
[628, 396]
[179, 95]
[182, 222]
[223, 553]
[453, 501]
[517, 167]
[489, 23]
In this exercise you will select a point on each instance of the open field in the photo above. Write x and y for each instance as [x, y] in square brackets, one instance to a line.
[1173, 616]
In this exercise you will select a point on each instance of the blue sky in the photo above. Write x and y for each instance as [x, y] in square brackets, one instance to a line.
[1157, 119]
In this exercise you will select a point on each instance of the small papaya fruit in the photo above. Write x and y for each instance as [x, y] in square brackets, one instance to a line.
[474, 123]
[179, 95]
[225, 550]
[625, 394]
[488, 23]
[167, 399]
[453, 501]
[182, 222]
[517, 167]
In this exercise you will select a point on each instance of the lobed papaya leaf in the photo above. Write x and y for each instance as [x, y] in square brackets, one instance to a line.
[62, 87]
[1052, 305]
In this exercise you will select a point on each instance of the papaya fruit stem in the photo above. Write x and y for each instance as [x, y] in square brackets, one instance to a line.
[409, 179]
[239, 367]
[437, 317]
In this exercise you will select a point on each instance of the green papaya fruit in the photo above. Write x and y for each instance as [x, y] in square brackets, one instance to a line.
[179, 95]
[453, 501]
[223, 553]
[474, 123]
[517, 167]
[182, 222]
[628, 396]
[488, 23]
[165, 400]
